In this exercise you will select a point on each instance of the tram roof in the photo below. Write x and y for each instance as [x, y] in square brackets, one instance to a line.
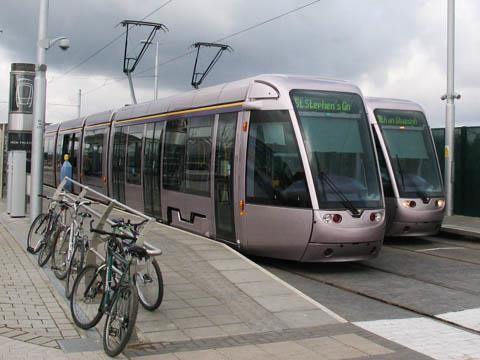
[231, 92]
[394, 104]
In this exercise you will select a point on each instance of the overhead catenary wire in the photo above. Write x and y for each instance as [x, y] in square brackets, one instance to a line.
[178, 57]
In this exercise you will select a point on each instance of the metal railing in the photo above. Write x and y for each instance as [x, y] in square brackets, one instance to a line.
[103, 217]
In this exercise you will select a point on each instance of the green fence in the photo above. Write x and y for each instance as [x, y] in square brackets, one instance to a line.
[467, 168]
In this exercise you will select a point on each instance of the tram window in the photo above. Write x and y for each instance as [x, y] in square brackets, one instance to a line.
[275, 174]
[59, 155]
[198, 155]
[93, 157]
[174, 154]
[68, 144]
[134, 154]
[48, 164]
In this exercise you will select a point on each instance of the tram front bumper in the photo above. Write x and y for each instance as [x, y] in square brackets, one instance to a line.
[341, 252]
[414, 228]
[352, 239]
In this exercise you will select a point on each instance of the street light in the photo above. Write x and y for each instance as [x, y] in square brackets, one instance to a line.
[156, 67]
[43, 44]
[450, 98]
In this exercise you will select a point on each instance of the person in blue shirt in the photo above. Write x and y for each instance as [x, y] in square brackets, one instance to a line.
[66, 170]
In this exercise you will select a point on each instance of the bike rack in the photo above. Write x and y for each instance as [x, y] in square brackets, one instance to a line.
[103, 217]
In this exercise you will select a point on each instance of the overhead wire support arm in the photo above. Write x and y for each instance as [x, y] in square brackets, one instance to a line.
[198, 76]
[131, 62]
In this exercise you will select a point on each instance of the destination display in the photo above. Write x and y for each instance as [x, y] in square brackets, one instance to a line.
[399, 118]
[329, 103]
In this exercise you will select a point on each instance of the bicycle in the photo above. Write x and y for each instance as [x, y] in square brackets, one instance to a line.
[108, 289]
[71, 246]
[46, 226]
[148, 278]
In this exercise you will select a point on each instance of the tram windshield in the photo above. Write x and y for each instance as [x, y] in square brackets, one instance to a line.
[339, 148]
[411, 152]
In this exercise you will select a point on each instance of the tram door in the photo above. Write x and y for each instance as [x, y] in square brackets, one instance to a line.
[118, 163]
[133, 169]
[223, 179]
[151, 169]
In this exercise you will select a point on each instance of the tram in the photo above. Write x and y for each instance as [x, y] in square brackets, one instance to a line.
[275, 165]
[410, 172]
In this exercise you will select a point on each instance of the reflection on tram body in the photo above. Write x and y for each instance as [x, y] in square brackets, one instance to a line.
[409, 166]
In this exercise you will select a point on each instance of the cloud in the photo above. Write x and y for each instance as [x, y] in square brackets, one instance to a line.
[390, 48]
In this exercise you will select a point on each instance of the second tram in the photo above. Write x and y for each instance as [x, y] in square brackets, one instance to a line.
[412, 181]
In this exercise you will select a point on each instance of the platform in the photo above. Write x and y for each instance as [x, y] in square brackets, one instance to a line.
[462, 225]
[218, 304]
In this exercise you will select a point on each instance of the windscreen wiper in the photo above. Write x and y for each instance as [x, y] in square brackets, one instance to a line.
[400, 171]
[343, 199]
[423, 196]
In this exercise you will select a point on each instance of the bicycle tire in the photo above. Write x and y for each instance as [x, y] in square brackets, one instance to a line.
[37, 228]
[127, 320]
[88, 314]
[75, 266]
[46, 251]
[155, 287]
[60, 253]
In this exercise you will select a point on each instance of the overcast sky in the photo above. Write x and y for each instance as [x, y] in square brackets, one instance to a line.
[389, 48]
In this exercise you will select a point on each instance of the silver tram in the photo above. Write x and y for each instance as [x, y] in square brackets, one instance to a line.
[411, 177]
[275, 165]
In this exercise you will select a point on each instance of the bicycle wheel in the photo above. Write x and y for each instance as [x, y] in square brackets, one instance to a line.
[120, 320]
[87, 296]
[149, 284]
[60, 253]
[47, 249]
[36, 233]
[75, 266]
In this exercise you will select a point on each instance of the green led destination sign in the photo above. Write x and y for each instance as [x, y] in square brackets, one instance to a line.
[310, 103]
[396, 120]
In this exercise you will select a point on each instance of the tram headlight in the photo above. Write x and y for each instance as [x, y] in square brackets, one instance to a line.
[440, 203]
[327, 218]
[376, 216]
[409, 203]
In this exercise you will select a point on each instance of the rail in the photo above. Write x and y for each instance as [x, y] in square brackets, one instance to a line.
[103, 217]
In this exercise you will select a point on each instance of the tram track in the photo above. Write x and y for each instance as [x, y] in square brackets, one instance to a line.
[380, 299]
[436, 254]
[416, 278]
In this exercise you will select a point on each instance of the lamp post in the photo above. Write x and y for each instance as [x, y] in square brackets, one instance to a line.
[43, 44]
[155, 92]
[450, 97]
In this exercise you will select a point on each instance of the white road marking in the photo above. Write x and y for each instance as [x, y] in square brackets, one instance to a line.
[427, 336]
[468, 318]
[443, 248]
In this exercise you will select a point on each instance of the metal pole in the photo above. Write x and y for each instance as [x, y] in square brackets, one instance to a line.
[79, 102]
[156, 73]
[2, 137]
[39, 113]
[450, 111]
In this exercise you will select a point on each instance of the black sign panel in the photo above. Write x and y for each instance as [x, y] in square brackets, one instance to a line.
[19, 141]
